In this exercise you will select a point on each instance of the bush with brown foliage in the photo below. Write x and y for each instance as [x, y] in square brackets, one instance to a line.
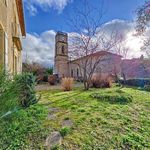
[67, 84]
[99, 81]
[34, 68]
[52, 79]
[38, 70]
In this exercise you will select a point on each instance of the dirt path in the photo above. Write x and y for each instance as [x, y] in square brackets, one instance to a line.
[47, 87]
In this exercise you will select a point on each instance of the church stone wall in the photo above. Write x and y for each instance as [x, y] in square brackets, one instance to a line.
[61, 67]
[109, 64]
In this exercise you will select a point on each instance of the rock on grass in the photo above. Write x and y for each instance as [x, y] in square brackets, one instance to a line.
[53, 140]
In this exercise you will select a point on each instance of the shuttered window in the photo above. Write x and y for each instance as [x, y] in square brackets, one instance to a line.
[6, 52]
[1, 48]
[77, 72]
[71, 72]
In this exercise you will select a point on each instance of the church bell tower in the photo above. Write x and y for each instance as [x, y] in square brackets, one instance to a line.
[61, 67]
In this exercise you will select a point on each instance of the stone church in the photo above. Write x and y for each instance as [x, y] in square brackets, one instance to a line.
[64, 67]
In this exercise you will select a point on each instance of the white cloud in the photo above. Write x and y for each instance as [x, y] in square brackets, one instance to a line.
[41, 48]
[126, 30]
[32, 5]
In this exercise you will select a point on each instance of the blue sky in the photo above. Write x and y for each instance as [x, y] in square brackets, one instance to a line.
[45, 17]
[53, 19]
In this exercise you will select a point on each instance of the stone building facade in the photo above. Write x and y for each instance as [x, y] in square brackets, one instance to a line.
[109, 64]
[64, 67]
[12, 29]
[136, 68]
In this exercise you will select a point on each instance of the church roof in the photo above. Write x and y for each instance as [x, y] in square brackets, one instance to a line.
[98, 53]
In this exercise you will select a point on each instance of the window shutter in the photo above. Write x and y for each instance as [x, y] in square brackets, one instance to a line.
[1, 41]
[1, 47]
[6, 52]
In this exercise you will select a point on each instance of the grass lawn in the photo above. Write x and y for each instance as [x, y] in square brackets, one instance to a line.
[96, 124]
[99, 124]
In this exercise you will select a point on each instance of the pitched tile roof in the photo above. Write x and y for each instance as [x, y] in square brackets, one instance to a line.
[98, 53]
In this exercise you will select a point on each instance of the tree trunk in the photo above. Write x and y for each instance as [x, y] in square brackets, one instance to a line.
[117, 79]
[86, 85]
[124, 78]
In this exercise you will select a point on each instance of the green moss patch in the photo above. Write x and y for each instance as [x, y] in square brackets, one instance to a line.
[117, 96]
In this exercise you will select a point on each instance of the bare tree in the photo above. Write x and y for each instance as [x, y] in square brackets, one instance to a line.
[142, 28]
[143, 20]
[121, 48]
[88, 39]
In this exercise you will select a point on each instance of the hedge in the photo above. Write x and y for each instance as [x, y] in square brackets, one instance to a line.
[136, 82]
[117, 96]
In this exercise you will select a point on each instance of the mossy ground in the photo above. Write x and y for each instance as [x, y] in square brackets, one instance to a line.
[99, 124]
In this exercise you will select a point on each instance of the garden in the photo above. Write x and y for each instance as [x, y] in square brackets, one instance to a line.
[72, 118]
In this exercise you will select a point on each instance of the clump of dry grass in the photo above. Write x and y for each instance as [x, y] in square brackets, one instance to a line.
[99, 81]
[67, 84]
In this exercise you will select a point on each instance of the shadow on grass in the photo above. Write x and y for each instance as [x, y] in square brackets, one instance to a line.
[113, 97]
[63, 96]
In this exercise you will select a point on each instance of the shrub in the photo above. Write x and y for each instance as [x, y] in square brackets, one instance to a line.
[114, 97]
[8, 94]
[67, 84]
[45, 78]
[21, 130]
[34, 68]
[49, 71]
[52, 79]
[39, 79]
[147, 88]
[26, 89]
[64, 131]
[101, 82]
[136, 82]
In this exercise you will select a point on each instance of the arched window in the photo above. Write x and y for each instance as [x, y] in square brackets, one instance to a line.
[71, 72]
[77, 72]
[63, 49]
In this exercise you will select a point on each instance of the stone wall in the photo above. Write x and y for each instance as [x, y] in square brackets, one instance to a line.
[9, 16]
[136, 68]
[109, 64]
